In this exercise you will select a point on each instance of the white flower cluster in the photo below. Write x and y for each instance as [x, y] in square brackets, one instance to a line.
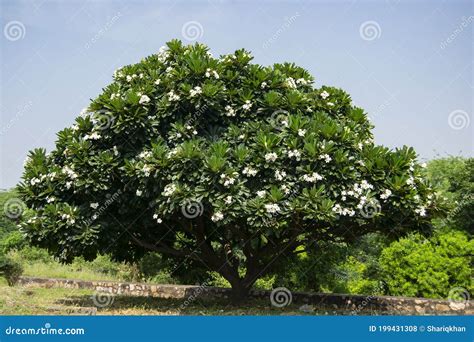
[248, 171]
[195, 91]
[294, 154]
[247, 105]
[272, 208]
[261, 193]
[263, 85]
[229, 180]
[69, 219]
[324, 95]
[145, 154]
[229, 111]
[301, 132]
[312, 178]
[217, 216]
[228, 200]
[163, 54]
[290, 83]
[158, 81]
[338, 209]
[172, 96]
[169, 190]
[271, 157]
[280, 175]
[302, 81]
[144, 99]
[326, 157]
[386, 194]
[92, 136]
[210, 72]
[130, 78]
[421, 210]
[69, 172]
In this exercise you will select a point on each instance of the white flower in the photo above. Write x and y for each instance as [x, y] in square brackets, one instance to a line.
[284, 123]
[312, 178]
[169, 69]
[229, 111]
[301, 81]
[169, 190]
[50, 199]
[94, 205]
[294, 154]
[324, 95]
[129, 78]
[280, 175]
[139, 192]
[146, 170]
[210, 72]
[195, 91]
[285, 189]
[327, 158]
[218, 216]
[386, 194]
[330, 104]
[263, 85]
[68, 185]
[366, 185]
[271, 157]
[144, 99]
[172, 96]
[421, 211]
[423, 165]
[155, 216]
[261, 193]
[301, 132]
[272, 208]
[93, 136]
[228, 200]
[410, 181]
[290, 83]
[249, 171]
[158, 81]
[247, 105]
[70, 172]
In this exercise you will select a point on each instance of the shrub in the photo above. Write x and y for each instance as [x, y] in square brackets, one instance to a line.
[10, 270]
[419, 267]
[221, 162]
[12, 241]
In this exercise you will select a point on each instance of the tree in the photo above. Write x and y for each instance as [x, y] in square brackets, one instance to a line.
[220, 162]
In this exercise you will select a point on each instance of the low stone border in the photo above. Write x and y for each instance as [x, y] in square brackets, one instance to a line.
[349, 303]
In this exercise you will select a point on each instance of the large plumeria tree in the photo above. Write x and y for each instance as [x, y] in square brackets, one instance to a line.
[220, 161]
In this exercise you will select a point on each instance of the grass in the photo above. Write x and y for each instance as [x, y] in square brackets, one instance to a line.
[32, 300]
[57, 270]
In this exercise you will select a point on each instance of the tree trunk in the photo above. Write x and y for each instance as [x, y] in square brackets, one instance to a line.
[240, 291]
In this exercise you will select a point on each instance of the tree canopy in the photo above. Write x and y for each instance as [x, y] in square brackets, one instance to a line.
[220, 161]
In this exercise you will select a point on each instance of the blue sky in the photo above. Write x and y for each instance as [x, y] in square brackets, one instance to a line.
[409, 64]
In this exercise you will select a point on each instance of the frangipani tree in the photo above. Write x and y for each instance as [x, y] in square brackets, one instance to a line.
[217, 160]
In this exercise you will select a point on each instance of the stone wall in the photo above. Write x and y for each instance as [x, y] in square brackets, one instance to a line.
[338, 302]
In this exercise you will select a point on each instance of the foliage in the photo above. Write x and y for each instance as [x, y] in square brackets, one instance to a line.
[419, 267]
[11, 241]
[221, 162]
[10, 270]
[7, 225]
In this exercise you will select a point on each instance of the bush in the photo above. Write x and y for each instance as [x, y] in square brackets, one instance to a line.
[12, 241]
[10, 270]
[418, 267]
